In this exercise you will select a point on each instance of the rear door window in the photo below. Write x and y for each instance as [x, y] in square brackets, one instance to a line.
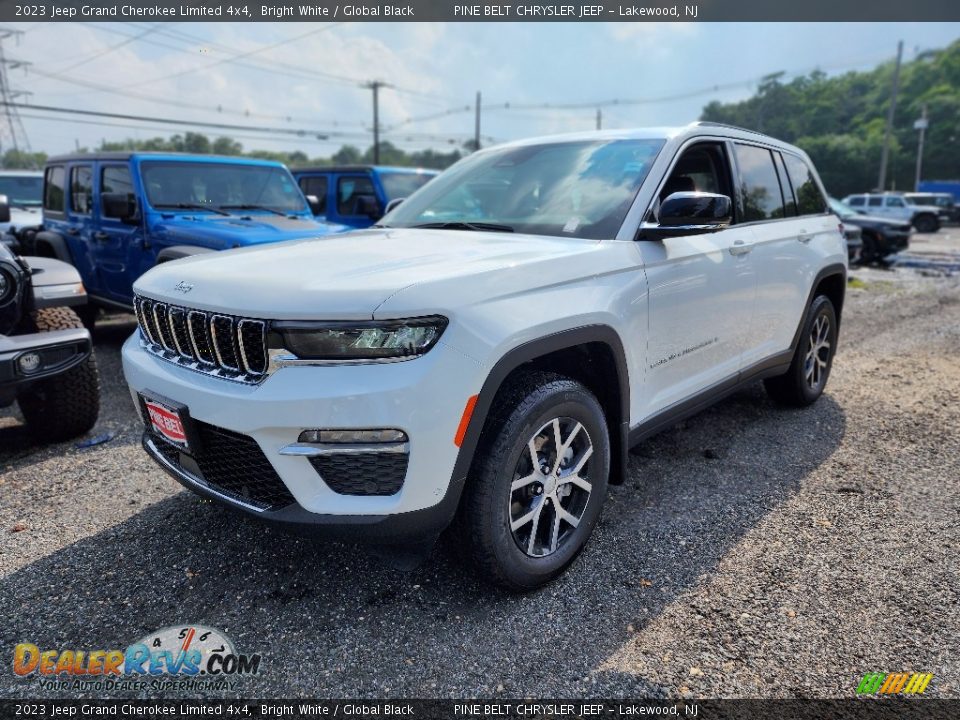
[349, 191]
[53, 189]
[875, 202]
[759, 184]
[81, 189]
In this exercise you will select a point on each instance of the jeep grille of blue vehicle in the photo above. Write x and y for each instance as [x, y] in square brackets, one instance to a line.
[221, 345]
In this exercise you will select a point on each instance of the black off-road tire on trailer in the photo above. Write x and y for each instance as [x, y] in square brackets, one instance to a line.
[498, 524]
[809, 371]
[63, 406]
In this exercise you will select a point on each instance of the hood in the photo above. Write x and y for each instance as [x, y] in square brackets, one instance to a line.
[221, 232]
[349, 276]
[873, 220]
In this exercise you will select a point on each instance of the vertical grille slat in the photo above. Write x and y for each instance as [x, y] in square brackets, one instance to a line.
[220, 345]
[252, 337]
[224, 342]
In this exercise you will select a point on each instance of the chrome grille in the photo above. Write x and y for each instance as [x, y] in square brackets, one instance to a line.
[221, 345]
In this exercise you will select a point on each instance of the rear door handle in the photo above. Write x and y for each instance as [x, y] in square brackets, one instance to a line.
[101, 236]
[740, 247]
[804, 236]
[73, 231]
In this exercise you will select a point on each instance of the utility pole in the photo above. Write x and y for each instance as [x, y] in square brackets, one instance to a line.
[599, 119]
[920, 125]
[882, 180]
[12, 133]
[476, 125]
[375, 85]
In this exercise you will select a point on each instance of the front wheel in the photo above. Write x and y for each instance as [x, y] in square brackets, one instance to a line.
[926, 223]
[537, 483]
[804, 382]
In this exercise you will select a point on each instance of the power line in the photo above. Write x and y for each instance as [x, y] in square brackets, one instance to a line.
[110, 49]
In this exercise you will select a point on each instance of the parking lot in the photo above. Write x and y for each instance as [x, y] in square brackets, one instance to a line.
[754, 551]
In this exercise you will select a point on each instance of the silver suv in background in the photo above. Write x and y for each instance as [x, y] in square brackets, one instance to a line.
[925, 218]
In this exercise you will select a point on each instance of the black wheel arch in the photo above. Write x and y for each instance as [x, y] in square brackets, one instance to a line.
[50, 244]
[832, 282]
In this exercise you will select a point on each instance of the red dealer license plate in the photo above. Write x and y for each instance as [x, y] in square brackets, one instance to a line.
[166, 422]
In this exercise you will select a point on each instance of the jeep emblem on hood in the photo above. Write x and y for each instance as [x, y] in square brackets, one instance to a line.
[183, 287]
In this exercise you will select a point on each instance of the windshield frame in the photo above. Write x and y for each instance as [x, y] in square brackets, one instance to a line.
[146, 165]
[601, 161]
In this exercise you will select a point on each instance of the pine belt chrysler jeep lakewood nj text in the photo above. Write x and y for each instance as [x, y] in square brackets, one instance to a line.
[487, 354]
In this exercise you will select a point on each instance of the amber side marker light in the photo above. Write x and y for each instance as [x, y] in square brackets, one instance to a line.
[465, 420]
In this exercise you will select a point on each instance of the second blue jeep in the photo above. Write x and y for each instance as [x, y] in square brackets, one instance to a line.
[116, 215]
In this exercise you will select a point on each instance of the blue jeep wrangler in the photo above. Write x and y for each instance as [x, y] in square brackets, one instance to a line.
[358, 195]
[116, 215]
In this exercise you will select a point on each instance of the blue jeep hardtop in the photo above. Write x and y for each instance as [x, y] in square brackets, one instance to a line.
[115, 215]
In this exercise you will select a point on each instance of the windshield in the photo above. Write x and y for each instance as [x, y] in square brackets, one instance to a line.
[23, 191]
[577, 189]
[221, 185]
[841, 209]
[403, 185]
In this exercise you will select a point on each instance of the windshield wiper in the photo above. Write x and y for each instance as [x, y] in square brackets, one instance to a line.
[248, 206]
[192, 206]
[463, 225]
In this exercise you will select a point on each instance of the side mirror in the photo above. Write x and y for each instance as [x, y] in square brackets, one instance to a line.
[4, 209]
[392, 204]
[314, 202]
[368, 205]
[690, 213]
[119, 206]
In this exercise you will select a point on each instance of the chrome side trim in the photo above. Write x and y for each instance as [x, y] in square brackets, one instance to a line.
[317, 449]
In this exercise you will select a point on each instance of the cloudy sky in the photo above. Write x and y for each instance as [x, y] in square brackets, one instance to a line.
[290, 77]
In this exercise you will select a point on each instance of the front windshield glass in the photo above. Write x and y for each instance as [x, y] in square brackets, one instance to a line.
[403, 185]
[841, 209]
[221, 185]
[577, 189]
[22, 191]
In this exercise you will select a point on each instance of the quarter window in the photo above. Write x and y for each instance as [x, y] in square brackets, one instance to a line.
[81, 189]
[810, 200]
[316, 186]
[759, 185]
[53, 189]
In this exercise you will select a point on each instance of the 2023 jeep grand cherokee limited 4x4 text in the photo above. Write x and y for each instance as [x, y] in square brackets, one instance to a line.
[489, 352]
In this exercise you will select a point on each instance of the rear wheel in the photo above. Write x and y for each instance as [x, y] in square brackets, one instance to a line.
[926, 223]
[804, 382]
[538, 482]
[66, 405]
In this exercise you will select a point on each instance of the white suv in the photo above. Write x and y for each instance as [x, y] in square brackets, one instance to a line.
[489, 352]
[925, 218]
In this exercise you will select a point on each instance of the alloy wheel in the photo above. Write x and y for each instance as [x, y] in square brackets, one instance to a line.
[818, 354]
[551, 487]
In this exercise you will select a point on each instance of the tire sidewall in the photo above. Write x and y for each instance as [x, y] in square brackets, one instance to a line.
[583, 407]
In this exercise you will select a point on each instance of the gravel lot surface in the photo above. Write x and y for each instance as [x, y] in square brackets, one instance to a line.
[755, 551]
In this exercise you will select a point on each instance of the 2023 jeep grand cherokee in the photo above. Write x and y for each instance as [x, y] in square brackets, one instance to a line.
[489, 352]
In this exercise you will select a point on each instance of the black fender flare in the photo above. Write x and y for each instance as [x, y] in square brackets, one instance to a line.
[825, 272]
[532, 350]
[57, 244]
[175, 252]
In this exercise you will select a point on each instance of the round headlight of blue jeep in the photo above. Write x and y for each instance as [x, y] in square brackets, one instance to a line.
[8, 286]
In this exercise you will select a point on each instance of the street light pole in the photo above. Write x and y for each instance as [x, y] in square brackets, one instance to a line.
[920, 125]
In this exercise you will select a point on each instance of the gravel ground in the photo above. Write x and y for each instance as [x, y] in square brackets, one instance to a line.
[755, 551]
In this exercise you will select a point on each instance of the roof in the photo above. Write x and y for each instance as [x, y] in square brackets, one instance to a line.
[364, 168]
[125, 155]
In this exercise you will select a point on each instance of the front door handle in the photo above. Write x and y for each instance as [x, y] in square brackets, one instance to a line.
[101, 236]
[73, 231]
[740, 247]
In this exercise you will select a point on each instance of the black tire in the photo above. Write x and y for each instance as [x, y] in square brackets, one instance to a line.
[66, 405]
[796, 387]
[869, 253]
[926, 223]
[529, 403]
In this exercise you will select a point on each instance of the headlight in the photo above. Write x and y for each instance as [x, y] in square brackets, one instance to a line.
[376, 340]
[8, 286]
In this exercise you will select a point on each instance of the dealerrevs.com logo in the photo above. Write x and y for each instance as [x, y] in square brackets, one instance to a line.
[175, 657]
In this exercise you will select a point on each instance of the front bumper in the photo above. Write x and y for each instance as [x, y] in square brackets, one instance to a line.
[895, 242]
[424, 398]
[58, 351]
